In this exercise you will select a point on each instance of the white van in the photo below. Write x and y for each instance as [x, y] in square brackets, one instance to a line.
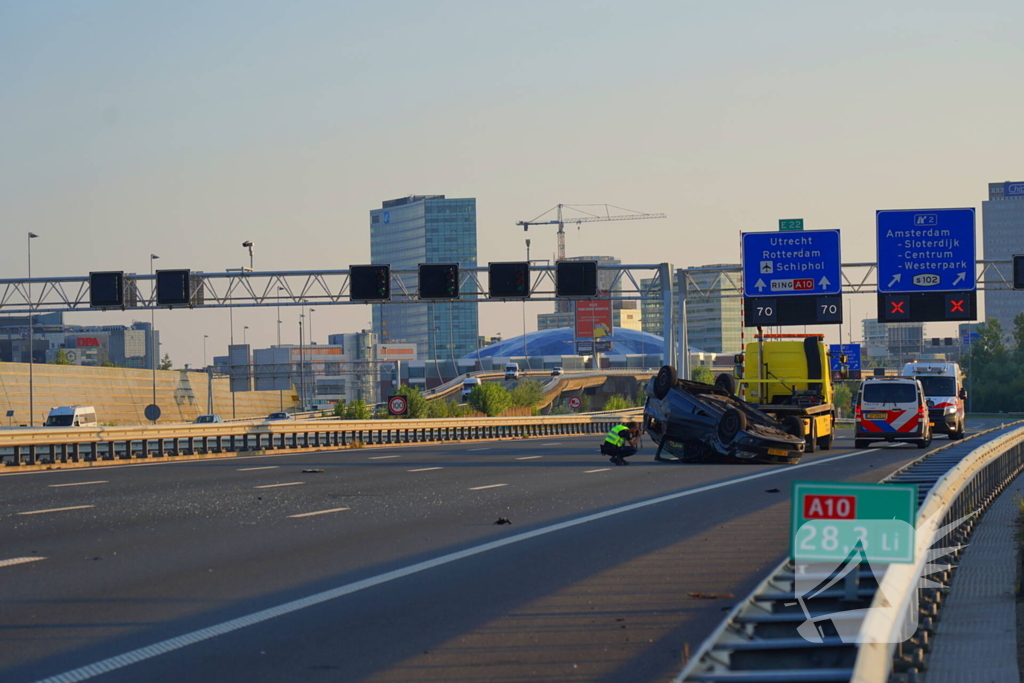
[945, 395]
[512, 371]
[891, 409]
[467, 386]
[71, 416]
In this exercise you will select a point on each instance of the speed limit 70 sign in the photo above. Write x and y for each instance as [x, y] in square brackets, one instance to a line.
[398, 405]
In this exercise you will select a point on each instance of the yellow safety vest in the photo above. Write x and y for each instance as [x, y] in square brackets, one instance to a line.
[615, 437]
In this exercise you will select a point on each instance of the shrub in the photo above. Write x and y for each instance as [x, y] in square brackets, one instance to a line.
[490, 398]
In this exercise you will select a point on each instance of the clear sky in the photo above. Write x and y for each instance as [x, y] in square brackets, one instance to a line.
[184, 128]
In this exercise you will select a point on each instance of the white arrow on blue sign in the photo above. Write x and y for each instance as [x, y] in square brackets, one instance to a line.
[791, 263]
[925, 250]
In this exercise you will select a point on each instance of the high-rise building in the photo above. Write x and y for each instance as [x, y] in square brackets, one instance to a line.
[426, 229]
[1002, 237]
[714, 309]
[897, 342]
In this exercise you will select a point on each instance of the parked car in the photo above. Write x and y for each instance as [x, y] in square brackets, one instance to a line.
[278, 416]
[207, 419]
[557, 370]
[701, 422]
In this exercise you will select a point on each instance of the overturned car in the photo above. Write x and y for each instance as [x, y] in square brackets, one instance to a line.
[699, 422]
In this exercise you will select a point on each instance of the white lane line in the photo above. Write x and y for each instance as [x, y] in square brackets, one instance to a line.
[426, 469]
[164, 646]
[39, 512]
[478, 449]
[318, 512]
[274, 486]
[384, 457]
[77, 483]
[530, 457]
[19, 560]
[253, 469]
[603, 469]
[552, 444]
[491, 486]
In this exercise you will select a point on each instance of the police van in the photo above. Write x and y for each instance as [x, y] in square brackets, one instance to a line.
[945, 395]
[891, 409]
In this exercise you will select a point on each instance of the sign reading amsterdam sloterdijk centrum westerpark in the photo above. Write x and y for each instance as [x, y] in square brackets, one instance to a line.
[926, 250]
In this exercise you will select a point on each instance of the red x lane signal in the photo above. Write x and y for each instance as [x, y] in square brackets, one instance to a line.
[897, 307]
[956, 306]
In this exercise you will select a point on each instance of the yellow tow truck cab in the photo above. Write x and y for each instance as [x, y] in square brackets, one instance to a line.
[787, 376]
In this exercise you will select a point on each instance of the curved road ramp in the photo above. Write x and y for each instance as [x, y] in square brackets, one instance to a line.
[862, 622]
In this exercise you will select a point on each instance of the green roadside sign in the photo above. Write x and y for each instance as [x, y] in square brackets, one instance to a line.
[832, 520]
[786, 224]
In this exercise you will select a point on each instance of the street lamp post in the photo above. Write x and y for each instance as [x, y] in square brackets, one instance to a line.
[205, 337]
[280, 392]
[152, 327]
[31, 332]
[244, 335]
[248, 245]
[526, 362]
[302, 366]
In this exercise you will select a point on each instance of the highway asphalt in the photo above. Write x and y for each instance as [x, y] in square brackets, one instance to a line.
[386, 564]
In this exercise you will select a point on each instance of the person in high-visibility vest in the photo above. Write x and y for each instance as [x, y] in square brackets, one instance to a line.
[621, 442]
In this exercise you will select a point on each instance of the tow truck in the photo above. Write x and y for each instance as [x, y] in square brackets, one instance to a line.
[787, 376]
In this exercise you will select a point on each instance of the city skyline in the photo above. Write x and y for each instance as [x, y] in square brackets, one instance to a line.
[122, 142]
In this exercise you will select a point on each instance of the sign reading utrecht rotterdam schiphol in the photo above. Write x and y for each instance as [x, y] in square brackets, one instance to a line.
[830, 521]
[926, 250]
[786, 264]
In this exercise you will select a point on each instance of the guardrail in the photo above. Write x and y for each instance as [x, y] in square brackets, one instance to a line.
[758, 641]
[57, 446]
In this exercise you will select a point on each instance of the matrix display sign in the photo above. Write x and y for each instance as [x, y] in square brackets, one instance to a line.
[831, 520]
[802, 310]
[369, 283]
[106, 289]
[927, 306]
[173, 287]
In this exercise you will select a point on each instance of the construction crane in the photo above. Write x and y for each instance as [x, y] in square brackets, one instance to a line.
[586, 217]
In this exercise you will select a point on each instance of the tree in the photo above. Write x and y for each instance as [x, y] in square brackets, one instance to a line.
[490, 398]
[358, 410]
[454, 409]
[340, 408]
[418, 406]
[617, 402]
[702, 373]
[166, 363]
[437, 408]
[843, 399]
[527, 393]
[62, 358]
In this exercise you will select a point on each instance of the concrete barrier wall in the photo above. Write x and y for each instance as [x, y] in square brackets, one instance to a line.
[121, 395]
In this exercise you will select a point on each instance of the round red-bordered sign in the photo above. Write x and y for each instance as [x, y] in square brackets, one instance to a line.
[575, 402]
[398, 405]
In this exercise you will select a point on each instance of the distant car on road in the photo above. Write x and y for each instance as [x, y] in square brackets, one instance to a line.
[207, 419]
[557, 370]
[278, 416]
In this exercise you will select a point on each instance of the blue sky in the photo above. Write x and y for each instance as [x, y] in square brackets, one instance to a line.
[182, 129]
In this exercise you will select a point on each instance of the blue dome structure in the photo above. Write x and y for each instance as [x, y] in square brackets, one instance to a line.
[561, 342]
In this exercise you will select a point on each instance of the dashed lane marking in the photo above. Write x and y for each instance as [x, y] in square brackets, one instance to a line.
[318, 512]
[530, 457]
[490, 486]
[274, 486]
[73, 507]
[478, 449]
[162, 647]
[426, 469]
[77, 483]
[253, 469]
[19, 560]
[559, 443]
[603, 469]
[384, 457]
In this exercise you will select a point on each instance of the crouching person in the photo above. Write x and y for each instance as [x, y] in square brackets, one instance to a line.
[621, 442]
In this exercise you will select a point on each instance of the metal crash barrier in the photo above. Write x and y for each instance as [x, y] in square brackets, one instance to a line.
[759, 641]
[26, 447]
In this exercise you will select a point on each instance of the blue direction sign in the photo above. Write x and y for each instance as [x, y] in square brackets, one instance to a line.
[925, 250]
[791, 263]
[852, 352]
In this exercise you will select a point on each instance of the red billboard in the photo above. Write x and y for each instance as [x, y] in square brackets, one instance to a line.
[593, 319]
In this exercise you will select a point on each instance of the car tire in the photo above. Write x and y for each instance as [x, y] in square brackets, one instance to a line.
[811, 439]
[957, 434]
[925, 442]
[726, 383]
[861, 443]
[731, 424]
[665, 380]
[794, 426]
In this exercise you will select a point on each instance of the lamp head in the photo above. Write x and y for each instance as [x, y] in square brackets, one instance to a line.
[247, 243]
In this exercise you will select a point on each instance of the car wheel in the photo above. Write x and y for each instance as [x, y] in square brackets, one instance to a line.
[793, 425]
[665, 380]
[812, 439]
[861, 443]
[726, 383]
[925, 442]
[731, 424]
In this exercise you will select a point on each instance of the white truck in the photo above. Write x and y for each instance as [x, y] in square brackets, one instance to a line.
[71, 416]
[512, 371]
[944, 391]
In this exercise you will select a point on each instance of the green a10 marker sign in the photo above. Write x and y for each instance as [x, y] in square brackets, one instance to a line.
[832, 520]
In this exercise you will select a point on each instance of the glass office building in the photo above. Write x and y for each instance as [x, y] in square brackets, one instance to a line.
[426, 229]
[1003, 236]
